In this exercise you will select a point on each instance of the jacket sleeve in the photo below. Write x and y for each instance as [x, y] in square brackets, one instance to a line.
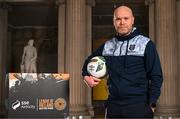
[97, 52]
[154, 72]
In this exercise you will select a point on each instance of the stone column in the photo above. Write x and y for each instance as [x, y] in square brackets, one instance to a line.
[89, 4]
[75, 52]
[3, 46]
[61, 35]
[166, 42]
[151, 5]
[178, 30]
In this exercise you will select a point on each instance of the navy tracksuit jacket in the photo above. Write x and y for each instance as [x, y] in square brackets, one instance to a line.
[134, 69]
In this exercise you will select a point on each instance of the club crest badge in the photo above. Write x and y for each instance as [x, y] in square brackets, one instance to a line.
[132, 47]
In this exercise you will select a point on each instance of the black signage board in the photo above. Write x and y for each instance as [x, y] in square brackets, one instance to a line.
[38, 95]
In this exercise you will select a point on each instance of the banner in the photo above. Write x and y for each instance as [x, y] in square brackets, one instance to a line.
[38, 95]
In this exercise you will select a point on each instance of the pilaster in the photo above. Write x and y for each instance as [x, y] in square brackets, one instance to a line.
[61, 34]
[151, 4]
[3, 46]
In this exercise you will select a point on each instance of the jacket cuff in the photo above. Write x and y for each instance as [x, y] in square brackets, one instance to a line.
[153, 105]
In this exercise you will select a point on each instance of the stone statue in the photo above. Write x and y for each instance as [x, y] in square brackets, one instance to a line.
[29, 57]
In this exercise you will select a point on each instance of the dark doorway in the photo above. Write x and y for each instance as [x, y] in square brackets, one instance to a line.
[37, 21]
[103, 29]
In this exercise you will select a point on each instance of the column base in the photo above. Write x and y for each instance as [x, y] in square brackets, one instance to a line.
[91, 111]
[168, 111]
[78, 110]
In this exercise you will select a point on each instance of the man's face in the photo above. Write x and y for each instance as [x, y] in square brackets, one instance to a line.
[123, 20]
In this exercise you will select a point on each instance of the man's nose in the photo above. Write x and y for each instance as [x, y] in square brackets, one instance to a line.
[122, 21]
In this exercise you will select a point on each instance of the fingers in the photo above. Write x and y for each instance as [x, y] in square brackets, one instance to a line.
[96, 79]
[91, 81]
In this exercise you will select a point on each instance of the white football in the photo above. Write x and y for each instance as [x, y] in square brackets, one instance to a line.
[97, 67]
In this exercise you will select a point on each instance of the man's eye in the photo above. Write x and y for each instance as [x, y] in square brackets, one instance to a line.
[117, 19]
[126, 18]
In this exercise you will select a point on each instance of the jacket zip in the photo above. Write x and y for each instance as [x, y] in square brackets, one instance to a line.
[121, 48]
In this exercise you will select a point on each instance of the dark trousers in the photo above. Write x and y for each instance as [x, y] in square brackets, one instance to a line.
[135, 111]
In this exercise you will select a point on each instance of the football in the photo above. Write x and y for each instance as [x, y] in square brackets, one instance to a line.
[97, 67]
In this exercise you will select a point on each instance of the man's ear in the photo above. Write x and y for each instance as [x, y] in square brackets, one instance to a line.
[113, 22]
[133, 20]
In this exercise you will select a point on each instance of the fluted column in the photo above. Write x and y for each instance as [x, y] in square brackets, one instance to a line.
[178, 29]
[75, 54]
[167, 47]
[89, 4]
[151, 5]
[3, 46]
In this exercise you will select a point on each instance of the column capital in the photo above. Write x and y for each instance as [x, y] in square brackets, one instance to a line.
[60, 2]
[149, 2]
[90, 2]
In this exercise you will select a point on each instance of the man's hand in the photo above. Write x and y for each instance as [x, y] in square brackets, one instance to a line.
[153, 109]
[91, 81]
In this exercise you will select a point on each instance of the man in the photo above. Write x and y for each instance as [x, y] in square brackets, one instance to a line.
[29, 58]
[135, 75]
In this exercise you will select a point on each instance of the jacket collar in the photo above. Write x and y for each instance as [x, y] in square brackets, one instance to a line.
[133, 33]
